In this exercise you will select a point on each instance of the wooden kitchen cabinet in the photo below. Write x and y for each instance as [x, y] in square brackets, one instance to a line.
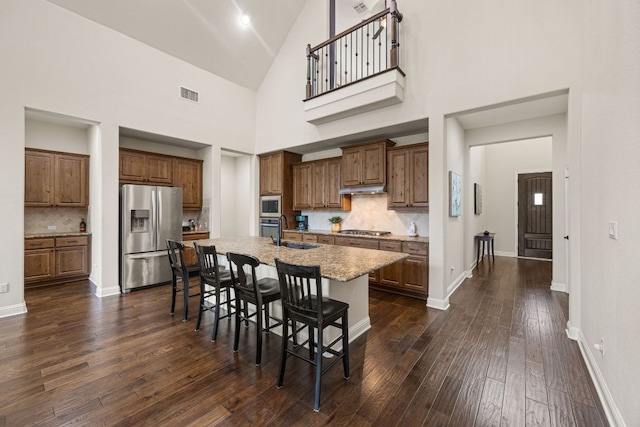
[302, 190]
[187, 174]
[56, 260]
[408, 177]
[365, 164]
[271, 171]
[316, 184]
[141, 167]
[56, 179]
[327, 240]
[189, 254]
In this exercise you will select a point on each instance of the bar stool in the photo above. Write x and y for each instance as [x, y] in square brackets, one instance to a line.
[180, 270]
[302, 302]
[250, 289]
[213, 282]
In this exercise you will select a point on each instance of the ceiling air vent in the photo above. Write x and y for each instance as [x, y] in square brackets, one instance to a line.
[360, 7]
[189, 94]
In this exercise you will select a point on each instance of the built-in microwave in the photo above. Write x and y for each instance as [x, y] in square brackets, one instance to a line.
[270, 206]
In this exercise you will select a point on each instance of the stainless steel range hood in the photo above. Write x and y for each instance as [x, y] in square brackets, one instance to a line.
[372, 189]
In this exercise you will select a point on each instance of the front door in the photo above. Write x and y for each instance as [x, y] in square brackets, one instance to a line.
[534, 215]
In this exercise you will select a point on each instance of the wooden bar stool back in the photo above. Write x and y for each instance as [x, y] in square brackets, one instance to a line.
[302, 302]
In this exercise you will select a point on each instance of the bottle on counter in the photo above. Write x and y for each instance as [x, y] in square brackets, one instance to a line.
[83, 226]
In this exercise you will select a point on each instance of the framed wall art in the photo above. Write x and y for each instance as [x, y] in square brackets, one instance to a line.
[455, 194]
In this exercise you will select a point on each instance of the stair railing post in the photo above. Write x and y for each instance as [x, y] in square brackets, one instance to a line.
[308, 88]
[396, 17]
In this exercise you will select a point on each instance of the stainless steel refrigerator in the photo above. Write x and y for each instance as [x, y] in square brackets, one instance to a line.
[149, 215]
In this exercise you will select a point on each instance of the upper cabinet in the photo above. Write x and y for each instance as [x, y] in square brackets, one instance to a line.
[408, 177]
[276, 178]
[56, 179]
[139, 167]
[187, 174]
[316, 184]
[365, 164]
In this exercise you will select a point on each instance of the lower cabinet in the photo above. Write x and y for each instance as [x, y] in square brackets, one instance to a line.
[189, 254]
[56, 260]
[407, 277]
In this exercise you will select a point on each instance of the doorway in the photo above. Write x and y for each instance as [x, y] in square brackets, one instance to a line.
[535, 209]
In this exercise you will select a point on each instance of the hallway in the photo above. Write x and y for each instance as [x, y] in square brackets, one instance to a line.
[498, 356]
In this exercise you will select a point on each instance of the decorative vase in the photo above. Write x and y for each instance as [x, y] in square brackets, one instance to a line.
[335, 227]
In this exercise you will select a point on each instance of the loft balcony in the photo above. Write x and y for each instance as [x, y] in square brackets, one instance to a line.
[357, 70]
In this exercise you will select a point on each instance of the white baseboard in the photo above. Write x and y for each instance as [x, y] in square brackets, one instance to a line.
[456, 283]
[559, 287]
[610, 409]
[13, 310]
[105, 292]
[439, 304]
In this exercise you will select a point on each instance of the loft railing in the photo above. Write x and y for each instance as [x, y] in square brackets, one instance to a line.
[364, 50]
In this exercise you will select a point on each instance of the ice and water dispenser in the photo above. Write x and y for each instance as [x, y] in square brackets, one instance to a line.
[140, 220]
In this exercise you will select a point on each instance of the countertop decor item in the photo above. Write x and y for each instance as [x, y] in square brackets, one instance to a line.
[412, 232]
[335, 223]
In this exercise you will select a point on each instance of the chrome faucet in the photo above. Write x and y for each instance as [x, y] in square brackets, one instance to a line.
[278, 240]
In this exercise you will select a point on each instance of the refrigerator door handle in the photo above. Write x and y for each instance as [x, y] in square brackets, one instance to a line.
[156, 223]
[147, 255]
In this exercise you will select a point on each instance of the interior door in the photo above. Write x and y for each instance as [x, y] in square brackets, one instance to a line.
[535, 210]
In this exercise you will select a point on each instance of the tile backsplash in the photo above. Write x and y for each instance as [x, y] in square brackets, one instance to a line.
[369, 212]
[37, 220]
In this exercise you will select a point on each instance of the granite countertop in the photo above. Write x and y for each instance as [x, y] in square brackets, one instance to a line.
[340, 263]
[49, 234]
[400, 237]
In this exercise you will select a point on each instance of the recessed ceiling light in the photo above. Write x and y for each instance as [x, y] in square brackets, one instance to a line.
[245, 19]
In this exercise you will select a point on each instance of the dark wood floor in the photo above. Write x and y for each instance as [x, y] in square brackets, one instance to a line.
[498, 356]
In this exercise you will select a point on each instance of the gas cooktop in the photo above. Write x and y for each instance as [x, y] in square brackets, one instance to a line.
[365, 232]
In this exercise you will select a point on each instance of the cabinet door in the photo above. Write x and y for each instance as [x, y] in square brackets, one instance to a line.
[415, 273]
[332, 196]
[188, 176]
[373, 159]
[398, 183]
[310, 238]
[39, 264]
[318, 191]
[159, 169]
[71, 186]
[294, 237]
[38, 179]
[351, 166]
[72, 261]
[271, 169]
[133, 166]
[419, 177]
[327, 240]
[302, 186]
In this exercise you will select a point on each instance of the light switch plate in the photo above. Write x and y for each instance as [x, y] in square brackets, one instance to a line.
[613, 230]
[4, 288]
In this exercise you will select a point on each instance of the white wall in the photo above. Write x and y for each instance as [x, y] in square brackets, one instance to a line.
[56, 61]
[610, 151]
[235, 196]
[56, 136]
[476, 172]
[503, 163]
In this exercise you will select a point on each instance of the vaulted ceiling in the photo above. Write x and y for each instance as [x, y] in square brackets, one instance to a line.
[204, 33]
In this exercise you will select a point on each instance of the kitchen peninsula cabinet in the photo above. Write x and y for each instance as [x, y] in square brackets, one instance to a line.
[140, 167]
[365, 164]
[53, 260]
[187, 174]
[408, 177]
[56, 179]
[189, 254]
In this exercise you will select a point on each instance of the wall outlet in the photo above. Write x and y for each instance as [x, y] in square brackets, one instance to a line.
[600, 346]
[52, 228]
[613, 230]
[4, 288]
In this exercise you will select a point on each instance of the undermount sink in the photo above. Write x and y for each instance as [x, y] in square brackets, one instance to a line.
[296, 245]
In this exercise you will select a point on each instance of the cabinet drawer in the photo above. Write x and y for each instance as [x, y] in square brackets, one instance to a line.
[327, 240]
[391, 246]
[313, 238]
[62, 242]
[195, 236]
[415, 248]
[38, 243]
[295, 237]
[357, 243]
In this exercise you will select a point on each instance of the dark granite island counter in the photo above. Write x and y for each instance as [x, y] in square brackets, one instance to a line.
[344, 269]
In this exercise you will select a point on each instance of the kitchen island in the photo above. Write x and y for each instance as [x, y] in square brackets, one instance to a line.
[344, 270]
